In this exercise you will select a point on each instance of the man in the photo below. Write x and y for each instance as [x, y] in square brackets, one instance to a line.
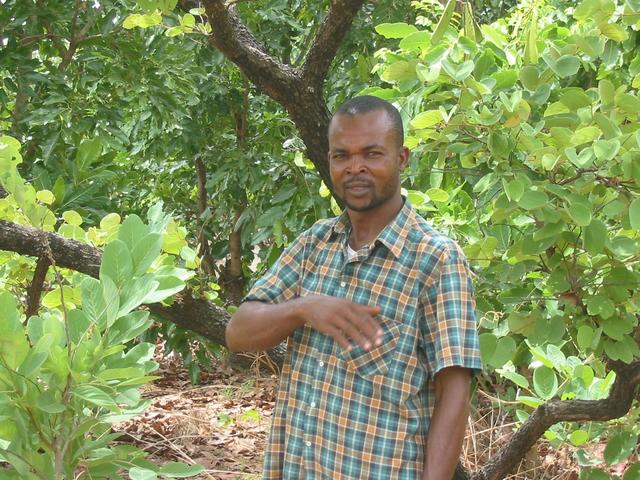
[378, 311]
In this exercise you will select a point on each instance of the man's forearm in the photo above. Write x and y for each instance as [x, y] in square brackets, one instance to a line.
[448, 424]
[259, 326]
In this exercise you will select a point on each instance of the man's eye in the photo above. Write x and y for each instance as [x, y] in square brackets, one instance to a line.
[374, 154]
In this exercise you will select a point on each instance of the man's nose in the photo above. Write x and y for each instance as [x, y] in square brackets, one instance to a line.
[356, 163]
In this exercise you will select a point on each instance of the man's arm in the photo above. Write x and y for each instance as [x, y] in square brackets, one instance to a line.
[448, 423]
[259, 326]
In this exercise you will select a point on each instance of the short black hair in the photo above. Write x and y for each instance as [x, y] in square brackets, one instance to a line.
[369, 103]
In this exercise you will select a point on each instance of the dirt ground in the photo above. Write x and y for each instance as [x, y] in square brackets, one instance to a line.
[223, 423]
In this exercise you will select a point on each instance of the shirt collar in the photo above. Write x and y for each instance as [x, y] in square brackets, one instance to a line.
[393, 235]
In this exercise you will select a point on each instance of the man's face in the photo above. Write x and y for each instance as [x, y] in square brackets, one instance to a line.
[365, 160]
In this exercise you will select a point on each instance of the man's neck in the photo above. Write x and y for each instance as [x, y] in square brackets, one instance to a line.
[366, 226]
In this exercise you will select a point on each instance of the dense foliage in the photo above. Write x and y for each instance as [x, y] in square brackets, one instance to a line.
[527, 142]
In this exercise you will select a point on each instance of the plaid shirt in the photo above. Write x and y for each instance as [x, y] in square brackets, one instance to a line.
[365, 414]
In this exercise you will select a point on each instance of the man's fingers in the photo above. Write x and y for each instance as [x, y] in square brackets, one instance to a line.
[338, 336]
[352, 327]
[372, 329]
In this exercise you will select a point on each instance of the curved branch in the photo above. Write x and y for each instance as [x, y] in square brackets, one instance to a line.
[617, 405]
[195, 314]
[328, 39]
[238, 44]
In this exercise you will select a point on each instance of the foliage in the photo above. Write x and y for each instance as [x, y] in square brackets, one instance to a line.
[69, 373]
[526, 147]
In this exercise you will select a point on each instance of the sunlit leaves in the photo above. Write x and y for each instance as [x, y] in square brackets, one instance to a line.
[395, 30]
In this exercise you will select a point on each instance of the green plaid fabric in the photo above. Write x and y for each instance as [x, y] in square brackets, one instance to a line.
[365, 414]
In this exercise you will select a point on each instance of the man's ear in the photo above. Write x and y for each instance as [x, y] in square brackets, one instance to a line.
[404, 157]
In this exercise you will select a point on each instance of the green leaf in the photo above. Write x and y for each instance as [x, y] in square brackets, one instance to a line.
[426, 119]
[600, 305]
[77, 325]
[594, 474]
[488, 343]
[515, 378]
[135, 292]
[532, 199]
[623, 246]
[94, 396]
[529, 76]
[606, 150]
[521, 323]
[188, 20]
[145, 252]
[132, 231]
[168, 286]
[514, 189]
[628, 103]
[607, 92]
[566, 66]
[614, 31]
[458, 72]
[110, 221]
[619, 447]
[88, 152]
[532, 402]
[180, 470]
[595, 237]
[444, 21]
[596, 10]
[545, 382]
[400, 71]
[580, 214]
[633, 471]
[505, 349]
[579, 437]
[437, 195]
[137, 473]
[415, 41]
[634, 214]
[13, 343]
[585, 135]
[47, 402]
[575, 98]
[116, 262]
[395, 30]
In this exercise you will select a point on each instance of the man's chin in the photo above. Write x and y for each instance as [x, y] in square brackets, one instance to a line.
[361, 206]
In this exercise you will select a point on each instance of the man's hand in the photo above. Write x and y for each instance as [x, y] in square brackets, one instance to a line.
[258, 326]
[343, 320]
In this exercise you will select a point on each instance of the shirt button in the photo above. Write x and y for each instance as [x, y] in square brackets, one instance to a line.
[321, 363]
[308, 444]
[343, 284]
[313, 404]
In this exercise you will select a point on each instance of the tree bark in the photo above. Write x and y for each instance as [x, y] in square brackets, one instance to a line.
[195, 314]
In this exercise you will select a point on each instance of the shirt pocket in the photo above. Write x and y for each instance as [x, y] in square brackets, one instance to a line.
[376, 361]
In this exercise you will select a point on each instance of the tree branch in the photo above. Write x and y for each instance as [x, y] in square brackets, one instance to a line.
[299, 91]
[238, 44]
[195, 314]
[35, 289]
[328, 39]
[617, 405]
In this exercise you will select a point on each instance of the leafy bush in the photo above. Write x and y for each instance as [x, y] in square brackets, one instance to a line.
[68, 374]
[527, 146]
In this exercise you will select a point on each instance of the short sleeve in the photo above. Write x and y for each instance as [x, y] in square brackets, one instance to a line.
[451, 335]
[280, 283]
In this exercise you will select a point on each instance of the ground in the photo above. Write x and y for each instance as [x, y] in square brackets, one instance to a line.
[222, 424]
